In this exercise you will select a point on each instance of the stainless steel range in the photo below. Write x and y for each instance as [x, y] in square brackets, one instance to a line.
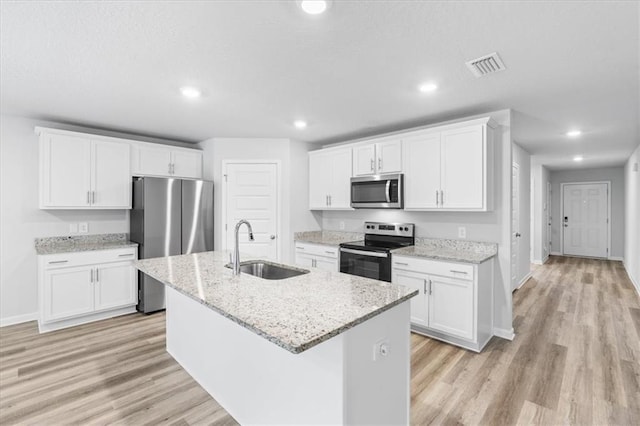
[371, 257]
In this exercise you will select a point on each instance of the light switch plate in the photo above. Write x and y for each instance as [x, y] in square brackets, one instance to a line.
[83, 227]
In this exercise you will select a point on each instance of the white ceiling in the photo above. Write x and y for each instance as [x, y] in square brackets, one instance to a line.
[350, 72]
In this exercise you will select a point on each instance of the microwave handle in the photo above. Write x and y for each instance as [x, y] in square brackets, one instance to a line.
[387, 191]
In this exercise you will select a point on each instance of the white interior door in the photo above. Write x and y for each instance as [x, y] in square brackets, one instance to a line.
[547, 218]
[515, 224]
[585, 219]
[251, 193]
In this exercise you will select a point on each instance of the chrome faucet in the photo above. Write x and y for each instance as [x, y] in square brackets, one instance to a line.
[236, 251]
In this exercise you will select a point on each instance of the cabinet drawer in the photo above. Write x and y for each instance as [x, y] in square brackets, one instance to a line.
[461, 271]
[317, 250]
[65, 260]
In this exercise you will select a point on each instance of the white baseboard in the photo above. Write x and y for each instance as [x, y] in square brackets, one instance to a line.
[505, 334]
[524, 280]
[634, 282]
[18, 319]
[555, 253]
[618, 258]
[540, 262]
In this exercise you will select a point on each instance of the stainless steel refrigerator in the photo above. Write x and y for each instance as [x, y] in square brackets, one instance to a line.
[168, 217]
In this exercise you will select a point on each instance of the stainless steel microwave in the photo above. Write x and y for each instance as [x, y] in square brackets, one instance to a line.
[377, 192]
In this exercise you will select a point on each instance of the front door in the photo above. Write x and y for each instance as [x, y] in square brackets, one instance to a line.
[251, 193]
[585, 219]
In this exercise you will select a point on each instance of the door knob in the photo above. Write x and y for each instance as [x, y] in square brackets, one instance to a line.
[273, 237]
[518, 234]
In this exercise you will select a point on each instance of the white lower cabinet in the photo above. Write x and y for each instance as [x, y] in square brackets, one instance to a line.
[76, 288]
[317, 256]
[455, 300]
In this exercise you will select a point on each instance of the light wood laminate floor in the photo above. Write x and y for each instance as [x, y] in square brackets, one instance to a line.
[575, 360]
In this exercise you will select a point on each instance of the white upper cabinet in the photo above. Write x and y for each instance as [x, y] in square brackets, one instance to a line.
[78, 172]
[422, 171]
[110, 175]
[463, 168]
[450, 169]
[152, 160]
[65, 171]
[159, 160]
[187, 163]
[377, 158]
[330, 179]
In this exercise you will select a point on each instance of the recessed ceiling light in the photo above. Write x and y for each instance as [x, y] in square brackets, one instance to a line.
[574, 133]
[428, 87]
[300, 124]
[578, 158]
[314, 7]
[190, 92]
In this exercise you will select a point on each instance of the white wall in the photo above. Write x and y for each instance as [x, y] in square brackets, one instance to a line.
[539, 228]
[632, 218]
[21, 221]
[295, 214]
[613, 174]
[523, 159]
[494, 226]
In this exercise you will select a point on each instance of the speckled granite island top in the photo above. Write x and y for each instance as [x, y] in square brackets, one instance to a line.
[56, 245]
[327, 238]
[295, 313]
[453, 250]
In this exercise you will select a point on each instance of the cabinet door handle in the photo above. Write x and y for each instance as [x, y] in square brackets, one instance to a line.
[125, 255]
[329, 200]
[93, 197]
[97, 275]
[442, 198]
[88, 197]
[173, 168]
[329, 252]
[380, 164]
[424, 285]
[437, 202]
[53, 262]
[91, 275]
[458, 272]
[313, 263]
[372, 164]
[169, 168]
[401, 263]
[430, 286]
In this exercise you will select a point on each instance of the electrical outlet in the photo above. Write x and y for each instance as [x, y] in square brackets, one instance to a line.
[462, 232]
[83, 227]
[380, 350]
[342, 225]
[73, 228]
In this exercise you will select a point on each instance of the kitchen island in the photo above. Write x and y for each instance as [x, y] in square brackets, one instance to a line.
[318, 348]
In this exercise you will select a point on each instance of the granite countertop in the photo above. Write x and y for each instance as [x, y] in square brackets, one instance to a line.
[327, 238]
[56, 245]
[295, 313]
[453, 250]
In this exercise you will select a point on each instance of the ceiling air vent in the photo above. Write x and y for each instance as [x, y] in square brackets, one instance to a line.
[487, 64]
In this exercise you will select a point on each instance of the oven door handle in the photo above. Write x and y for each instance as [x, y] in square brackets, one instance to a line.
[387, 191]
[365, 253]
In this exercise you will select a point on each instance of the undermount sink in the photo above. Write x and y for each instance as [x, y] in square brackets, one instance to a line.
[268, 270]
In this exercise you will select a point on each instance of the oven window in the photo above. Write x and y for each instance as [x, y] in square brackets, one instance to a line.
[366, 266]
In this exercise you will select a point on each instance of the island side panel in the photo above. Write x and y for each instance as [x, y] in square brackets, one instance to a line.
[377, 386]
[256, 381]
